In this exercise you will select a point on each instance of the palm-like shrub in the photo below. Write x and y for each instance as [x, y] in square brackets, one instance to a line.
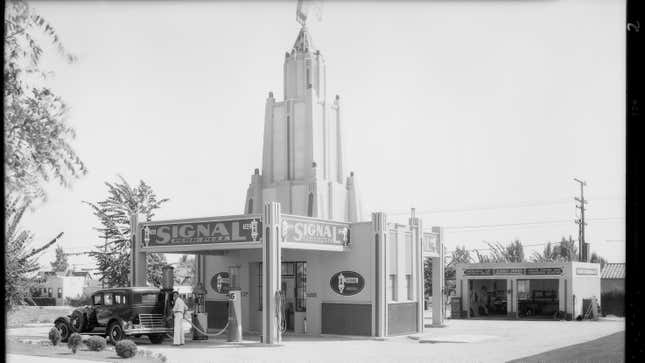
[54, 336]
[125, 348]
[96, 343]
[74, 342]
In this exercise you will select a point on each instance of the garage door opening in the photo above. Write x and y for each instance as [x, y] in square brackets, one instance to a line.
[537, 298]
[488, 298]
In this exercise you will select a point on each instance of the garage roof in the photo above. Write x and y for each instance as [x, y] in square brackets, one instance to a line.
[613, 271]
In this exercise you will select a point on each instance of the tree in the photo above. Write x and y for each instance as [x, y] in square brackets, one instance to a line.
[60, 263]
[185, 269]
[20, 262]
[114, 214]
[513, 252]
[37, 137]
[595, 258]
[564, 251]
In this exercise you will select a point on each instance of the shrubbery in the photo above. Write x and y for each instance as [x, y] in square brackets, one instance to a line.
[74, 342]
[96, 343]
[125, 348]
[54, 336]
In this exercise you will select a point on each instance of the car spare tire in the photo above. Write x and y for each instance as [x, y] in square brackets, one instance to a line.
[63, 329]
[77, 321]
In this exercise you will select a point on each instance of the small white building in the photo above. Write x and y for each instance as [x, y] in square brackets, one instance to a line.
[527, 289]
[63, 285]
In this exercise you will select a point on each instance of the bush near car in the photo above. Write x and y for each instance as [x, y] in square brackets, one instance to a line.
[125, 348]
[54, 336]
[96, 343]
[74, 342]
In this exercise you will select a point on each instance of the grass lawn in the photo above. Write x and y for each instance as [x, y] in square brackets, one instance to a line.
[609, 349]
[22, 315]
[62, 351]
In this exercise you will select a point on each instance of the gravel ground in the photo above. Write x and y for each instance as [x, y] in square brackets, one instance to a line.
[483, 341]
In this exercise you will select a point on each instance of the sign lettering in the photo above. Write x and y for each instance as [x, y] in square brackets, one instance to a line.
[243, 230]
[312, 231]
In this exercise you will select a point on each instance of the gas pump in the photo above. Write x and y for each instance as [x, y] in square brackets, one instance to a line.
[200, 317]
[167, 285]
[234, 316]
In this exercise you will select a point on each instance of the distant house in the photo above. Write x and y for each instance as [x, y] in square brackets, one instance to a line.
[612, 287]
[59, 286]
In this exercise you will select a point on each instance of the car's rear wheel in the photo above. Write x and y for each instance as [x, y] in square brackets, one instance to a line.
[156, 338]
[115, 332]
[64, 330]
[77, 321]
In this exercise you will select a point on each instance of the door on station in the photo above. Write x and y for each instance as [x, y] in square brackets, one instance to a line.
[293, 289]
[488, 298]
[537, 298]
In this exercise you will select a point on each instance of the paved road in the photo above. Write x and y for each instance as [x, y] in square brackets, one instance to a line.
[608, 349]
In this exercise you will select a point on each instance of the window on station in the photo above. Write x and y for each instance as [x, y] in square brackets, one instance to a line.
[60, 293]
[409, 287]
[310, 205]
[296, 293]
[391, 282]
[301, 286]
[49, 292]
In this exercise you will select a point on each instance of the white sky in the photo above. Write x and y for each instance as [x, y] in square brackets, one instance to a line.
[448, 105]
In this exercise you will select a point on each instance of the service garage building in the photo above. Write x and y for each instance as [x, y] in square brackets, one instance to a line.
[527, 290]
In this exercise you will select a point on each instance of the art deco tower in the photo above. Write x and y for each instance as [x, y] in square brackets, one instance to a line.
[302, 161]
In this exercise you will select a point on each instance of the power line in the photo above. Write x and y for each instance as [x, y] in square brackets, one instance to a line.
[556, 221]
[500, 206]
[582, 246]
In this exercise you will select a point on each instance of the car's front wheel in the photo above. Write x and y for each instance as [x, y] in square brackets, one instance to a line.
[115, 332]
[156, 338]
[64, 330]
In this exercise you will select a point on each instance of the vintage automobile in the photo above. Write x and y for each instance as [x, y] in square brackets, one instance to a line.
[117, 313]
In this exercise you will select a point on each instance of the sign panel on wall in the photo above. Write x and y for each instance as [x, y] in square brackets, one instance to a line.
[586, 271]
[347, 283]
[544, 271]
[302, 230]
[513, 271]
[221, 282]
[191, 233]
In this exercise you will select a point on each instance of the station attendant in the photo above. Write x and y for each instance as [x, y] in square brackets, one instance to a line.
[178, 309]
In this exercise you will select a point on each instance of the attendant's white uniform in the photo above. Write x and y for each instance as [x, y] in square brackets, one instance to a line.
[178, 310]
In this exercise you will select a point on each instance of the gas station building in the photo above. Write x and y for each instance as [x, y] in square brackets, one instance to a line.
[304, 257]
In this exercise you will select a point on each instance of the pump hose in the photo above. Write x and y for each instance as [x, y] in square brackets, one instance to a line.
[201, 331]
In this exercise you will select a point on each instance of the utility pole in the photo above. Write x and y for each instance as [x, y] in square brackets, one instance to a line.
[582, 246]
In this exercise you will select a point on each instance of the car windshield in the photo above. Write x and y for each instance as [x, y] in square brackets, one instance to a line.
[97, 299]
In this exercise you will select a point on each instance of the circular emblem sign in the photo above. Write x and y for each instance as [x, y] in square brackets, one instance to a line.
[220, 282]
[347, 283]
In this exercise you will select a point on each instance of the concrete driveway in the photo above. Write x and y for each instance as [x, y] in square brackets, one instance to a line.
[459, 341]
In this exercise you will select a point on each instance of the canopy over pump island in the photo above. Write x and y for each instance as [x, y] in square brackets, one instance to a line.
[303, 258]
